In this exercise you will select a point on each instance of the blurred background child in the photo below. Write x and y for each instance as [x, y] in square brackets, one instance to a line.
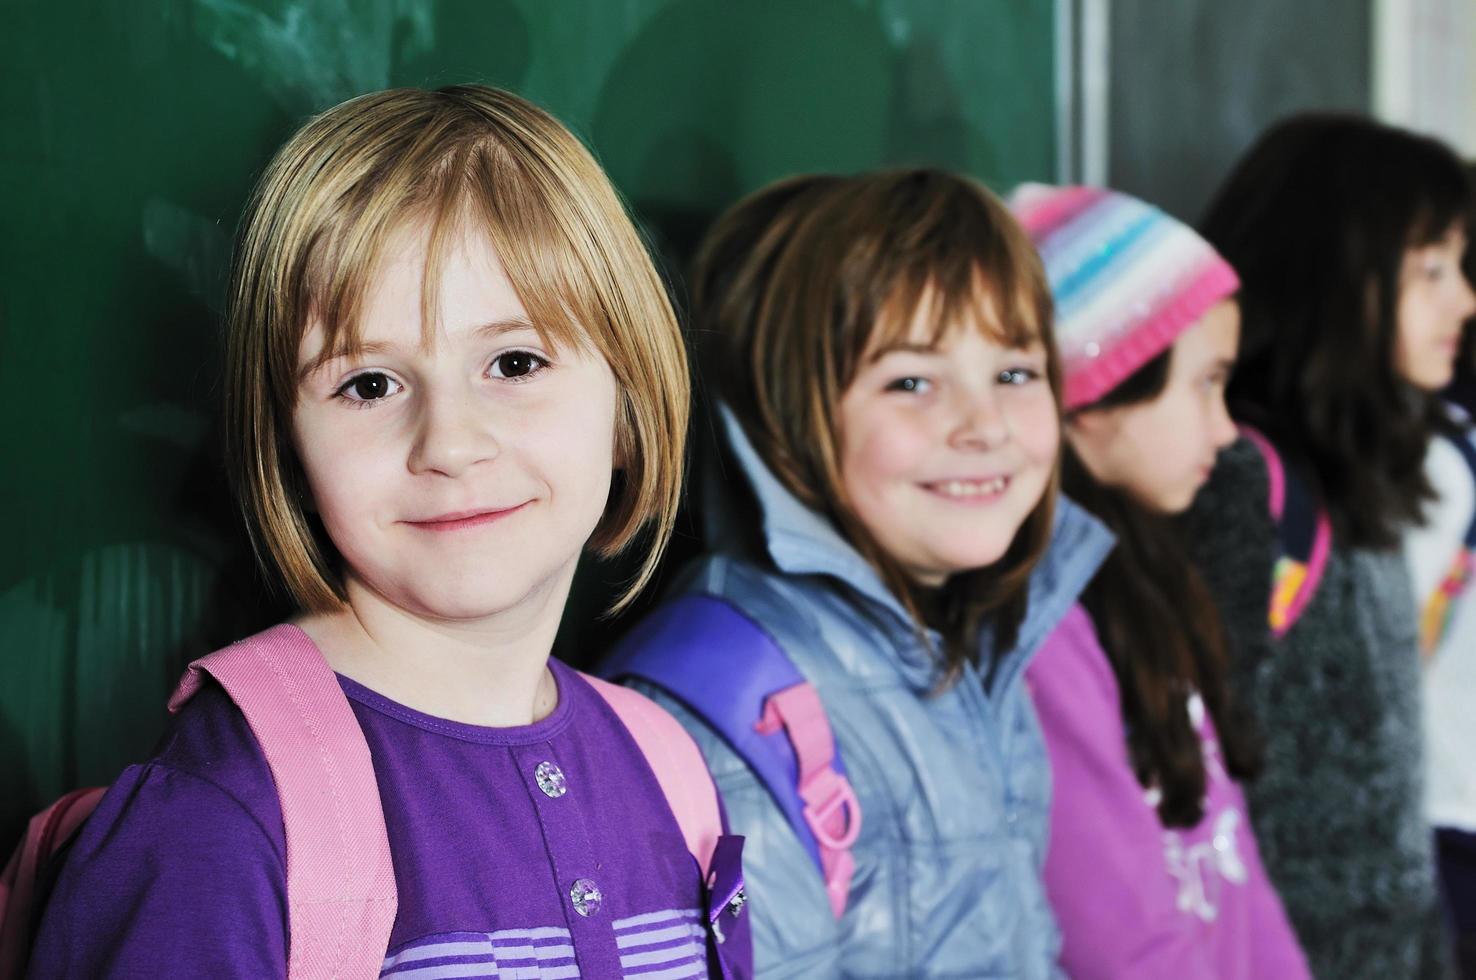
[1440, 553]
[1152, 867]
[1347, 236]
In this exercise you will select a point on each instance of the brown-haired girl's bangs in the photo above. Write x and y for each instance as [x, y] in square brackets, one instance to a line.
[968, 270]
[356, 181]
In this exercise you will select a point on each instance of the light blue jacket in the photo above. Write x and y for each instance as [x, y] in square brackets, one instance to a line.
[954, 787]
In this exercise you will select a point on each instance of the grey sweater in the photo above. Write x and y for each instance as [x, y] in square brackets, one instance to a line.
[1337, 807]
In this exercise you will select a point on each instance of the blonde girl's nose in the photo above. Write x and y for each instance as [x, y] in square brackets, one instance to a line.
[451, 435]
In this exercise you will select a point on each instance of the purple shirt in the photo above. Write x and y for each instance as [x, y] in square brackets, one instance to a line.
[541, 851]
[1133, 898]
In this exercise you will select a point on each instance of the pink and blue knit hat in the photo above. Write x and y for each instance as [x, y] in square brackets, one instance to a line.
[1127, 280]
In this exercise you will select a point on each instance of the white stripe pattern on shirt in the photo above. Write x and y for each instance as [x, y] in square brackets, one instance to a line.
[545, 953]
[666, 945]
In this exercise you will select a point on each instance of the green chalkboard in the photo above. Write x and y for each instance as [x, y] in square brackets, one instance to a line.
[129, 137]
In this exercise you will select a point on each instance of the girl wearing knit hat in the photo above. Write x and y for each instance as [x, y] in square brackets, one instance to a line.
[1152, 868]
[1347, 235]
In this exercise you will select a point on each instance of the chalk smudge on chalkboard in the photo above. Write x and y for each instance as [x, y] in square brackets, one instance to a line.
[197, 249]
[313, 55]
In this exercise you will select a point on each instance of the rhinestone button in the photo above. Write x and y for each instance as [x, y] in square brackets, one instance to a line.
[585, 895]
[736, 903]
[551, 780]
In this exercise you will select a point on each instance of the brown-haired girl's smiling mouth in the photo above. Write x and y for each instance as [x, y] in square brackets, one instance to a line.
[969, 489]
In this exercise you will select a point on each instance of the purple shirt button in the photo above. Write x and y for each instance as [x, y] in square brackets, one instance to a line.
[586, 897]
[551, 780]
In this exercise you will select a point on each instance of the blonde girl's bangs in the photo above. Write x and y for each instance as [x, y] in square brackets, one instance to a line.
[345, 190]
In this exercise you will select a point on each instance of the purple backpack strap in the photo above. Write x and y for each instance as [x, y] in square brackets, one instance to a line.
[341, 894]
[731, 673]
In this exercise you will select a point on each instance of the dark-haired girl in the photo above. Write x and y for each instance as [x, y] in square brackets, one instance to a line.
[1440, 559]
[1347, 236]
[1152, 869]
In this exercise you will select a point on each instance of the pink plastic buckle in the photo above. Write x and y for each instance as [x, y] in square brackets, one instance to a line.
[831, 809]
[835, 802]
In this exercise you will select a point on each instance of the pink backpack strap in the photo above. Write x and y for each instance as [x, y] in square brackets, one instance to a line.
[45, 834]
[677, 763]
[1275, 473]
[1304, 538]
[340, 882]
[832, 811]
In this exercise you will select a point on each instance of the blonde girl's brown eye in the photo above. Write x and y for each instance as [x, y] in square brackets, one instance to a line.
[369, 386]
[516, 364]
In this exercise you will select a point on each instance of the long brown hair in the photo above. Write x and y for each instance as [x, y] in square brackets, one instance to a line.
[1160, 629]
[1316, 218]
[793, 285]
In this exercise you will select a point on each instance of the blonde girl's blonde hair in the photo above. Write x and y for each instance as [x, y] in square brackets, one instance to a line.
[311, 242]
[796, 284]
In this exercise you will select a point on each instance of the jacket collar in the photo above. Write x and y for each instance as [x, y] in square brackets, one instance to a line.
[798, 540]
[801, 542]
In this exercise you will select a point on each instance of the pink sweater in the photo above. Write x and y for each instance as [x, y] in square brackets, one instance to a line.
[1136, 899]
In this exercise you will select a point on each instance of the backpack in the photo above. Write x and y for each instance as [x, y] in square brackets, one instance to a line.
[340, 882]
[1304, 537]
[733, 675]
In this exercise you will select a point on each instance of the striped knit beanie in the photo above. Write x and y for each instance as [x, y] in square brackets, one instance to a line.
[1127, 280]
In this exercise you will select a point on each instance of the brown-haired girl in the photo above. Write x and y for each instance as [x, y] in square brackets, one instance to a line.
[881, 350]
[451, 367]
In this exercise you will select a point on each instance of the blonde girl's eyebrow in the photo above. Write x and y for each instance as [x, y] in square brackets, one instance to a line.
[508, 325]
[327, 357]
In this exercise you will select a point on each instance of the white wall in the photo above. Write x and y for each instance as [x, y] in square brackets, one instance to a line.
[1425, 68]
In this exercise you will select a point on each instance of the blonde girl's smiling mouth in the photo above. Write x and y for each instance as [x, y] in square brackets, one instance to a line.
[465, 520]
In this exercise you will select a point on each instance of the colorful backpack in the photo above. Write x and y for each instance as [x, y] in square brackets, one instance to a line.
[340, 883]
[732, 674]
[1435, 616]
[1304, 538]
